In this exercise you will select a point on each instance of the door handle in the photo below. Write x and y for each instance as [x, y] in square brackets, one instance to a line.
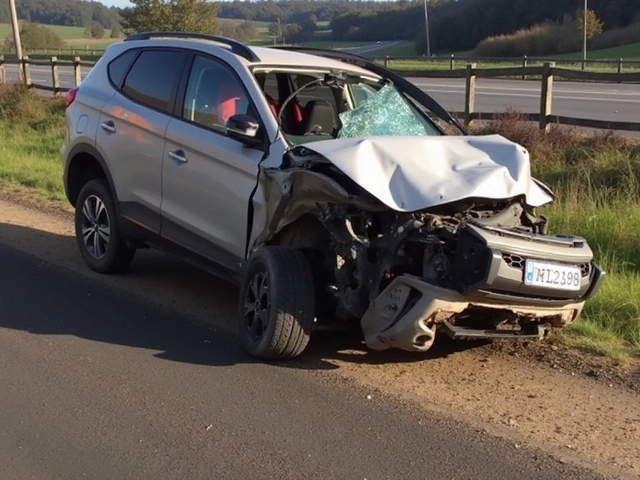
[178, 156]
[108, 126]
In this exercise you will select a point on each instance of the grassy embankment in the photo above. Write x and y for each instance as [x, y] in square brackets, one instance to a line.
[596, 178]
[629, 52]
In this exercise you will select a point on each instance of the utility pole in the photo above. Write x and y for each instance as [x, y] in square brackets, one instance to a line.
[16, 29]
[584, 35]
[279, 32]
[426, 28]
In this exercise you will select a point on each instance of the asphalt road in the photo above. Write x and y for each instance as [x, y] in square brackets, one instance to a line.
[582, 100]
[97, 384]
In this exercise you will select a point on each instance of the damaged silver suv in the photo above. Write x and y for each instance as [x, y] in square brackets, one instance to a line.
[324, 185]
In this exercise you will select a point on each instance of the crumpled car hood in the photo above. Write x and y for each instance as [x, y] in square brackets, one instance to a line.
[414, 173]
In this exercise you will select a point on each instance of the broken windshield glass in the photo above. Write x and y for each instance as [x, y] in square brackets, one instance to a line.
[385, 113]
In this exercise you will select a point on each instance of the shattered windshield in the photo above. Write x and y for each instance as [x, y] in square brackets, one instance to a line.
[384, 113]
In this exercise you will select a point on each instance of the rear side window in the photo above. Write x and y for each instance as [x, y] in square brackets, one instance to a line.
[153, 76]
[118, 67]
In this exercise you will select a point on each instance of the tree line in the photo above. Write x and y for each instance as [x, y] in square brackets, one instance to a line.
[75, 13]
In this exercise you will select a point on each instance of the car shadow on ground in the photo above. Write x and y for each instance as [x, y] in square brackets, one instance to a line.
[161, 304]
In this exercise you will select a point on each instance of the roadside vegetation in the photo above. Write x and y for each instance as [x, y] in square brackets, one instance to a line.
[596, 178]
[32, 129]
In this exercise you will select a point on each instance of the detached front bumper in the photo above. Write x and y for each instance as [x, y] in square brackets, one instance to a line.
[491, 299]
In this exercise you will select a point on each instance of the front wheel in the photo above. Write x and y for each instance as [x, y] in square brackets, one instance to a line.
[276, 304]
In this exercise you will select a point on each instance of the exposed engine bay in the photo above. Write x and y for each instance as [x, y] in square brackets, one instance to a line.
[373, 248]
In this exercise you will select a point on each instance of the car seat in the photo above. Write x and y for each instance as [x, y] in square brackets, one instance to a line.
[319, 116]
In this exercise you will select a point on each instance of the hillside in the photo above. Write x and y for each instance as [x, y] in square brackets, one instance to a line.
[479, 19]
[75, 13]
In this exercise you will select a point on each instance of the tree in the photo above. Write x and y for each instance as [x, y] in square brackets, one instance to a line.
[275, 29]
[594, 25]
[116, 31]
[171, 15]
[97, 30]
[35, 36]
[246, 31]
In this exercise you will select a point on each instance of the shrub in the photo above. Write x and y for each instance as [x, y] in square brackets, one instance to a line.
[34, 36]
[618, 36]
[22, 108]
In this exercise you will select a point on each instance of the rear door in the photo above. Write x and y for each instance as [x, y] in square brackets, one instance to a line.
[132, 127]
[207, 177]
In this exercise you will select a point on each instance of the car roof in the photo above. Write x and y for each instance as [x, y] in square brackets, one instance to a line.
[267, 56]
[287, 58]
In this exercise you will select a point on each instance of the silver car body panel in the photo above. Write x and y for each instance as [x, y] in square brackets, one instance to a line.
[209, 193]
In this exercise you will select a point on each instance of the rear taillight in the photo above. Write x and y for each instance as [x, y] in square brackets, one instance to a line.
[71, 95]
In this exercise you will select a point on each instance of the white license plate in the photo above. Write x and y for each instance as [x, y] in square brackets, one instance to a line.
[550, 275]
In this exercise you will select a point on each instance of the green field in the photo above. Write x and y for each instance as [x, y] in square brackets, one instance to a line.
[68, 34]
[629, 52]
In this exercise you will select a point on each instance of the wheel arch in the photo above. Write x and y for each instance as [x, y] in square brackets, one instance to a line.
[85, 164]
[307, 232]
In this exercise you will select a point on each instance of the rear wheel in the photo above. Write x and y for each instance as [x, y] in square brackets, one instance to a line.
[276, 304]
[97, 231]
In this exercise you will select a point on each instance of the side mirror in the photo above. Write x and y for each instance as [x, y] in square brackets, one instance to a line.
[243, 128]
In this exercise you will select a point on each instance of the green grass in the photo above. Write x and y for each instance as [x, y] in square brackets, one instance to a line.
[610, 220]
[571, 61]
[237, 21]
[629, 52]
[65, 32]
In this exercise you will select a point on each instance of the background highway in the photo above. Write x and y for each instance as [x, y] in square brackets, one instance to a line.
[615, 102]
[98, 384]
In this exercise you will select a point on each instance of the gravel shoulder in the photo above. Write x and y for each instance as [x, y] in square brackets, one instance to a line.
[582, 409]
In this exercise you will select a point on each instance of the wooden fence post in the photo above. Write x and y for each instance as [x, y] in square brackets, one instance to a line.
[452, 62]
[55, 77]
[3, 74]
[26, 69]
[470, 94]
[524, 65]
[386, 62]
[546, 95]
[77, 70]
[619, 69]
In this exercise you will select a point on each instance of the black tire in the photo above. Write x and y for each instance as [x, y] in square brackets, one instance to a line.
[289, 310]
[105, 256]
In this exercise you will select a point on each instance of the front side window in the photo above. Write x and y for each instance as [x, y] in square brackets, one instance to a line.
[153, 77]
[214, 94]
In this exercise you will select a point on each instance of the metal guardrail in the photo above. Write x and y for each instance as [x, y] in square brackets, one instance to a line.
[471, 73]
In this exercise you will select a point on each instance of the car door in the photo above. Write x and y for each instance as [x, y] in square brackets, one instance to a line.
[132, 126]
[208, 177]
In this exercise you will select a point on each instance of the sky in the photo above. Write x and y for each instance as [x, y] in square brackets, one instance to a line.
[116, 3]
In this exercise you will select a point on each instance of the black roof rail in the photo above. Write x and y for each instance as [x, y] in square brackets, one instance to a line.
[237, 47]
[419, 94]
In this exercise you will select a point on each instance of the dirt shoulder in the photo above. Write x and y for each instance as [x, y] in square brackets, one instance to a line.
[580, 408]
